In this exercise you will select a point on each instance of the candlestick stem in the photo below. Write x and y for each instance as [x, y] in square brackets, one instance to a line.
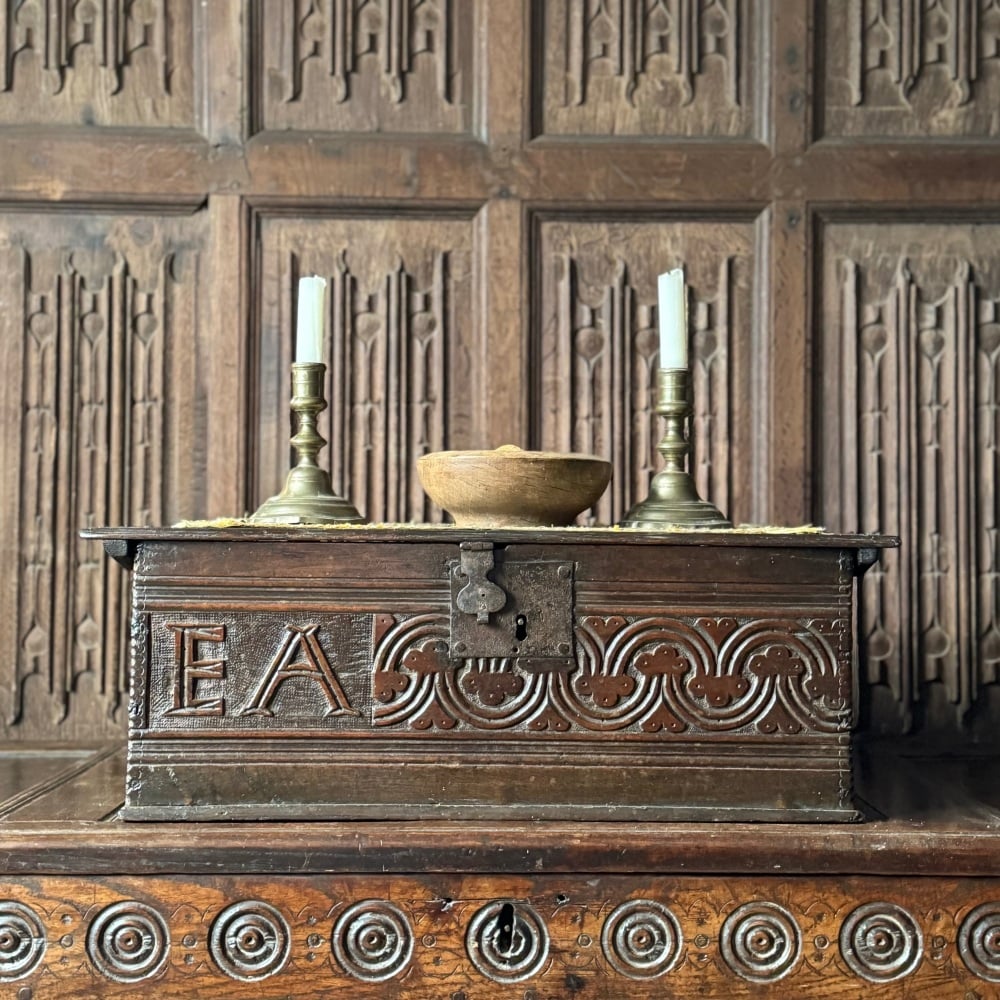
[673, 499]
[308, 496]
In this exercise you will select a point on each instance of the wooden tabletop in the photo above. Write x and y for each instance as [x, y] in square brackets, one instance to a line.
[926, 815]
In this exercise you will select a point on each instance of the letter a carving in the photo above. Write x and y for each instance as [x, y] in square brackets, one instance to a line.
[312, 663]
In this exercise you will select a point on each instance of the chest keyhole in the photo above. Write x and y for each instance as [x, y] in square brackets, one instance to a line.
[520, 628]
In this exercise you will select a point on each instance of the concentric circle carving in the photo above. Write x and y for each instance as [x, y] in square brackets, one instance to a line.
[761, 942]
[22, 940]
[979, 942]
[128, 942]
[881, 942]
[641, 939]
[507, 941]
[373, 941]
[250, 941]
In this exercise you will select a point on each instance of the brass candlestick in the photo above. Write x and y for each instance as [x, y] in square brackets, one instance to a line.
[308, 496]
[673, 498]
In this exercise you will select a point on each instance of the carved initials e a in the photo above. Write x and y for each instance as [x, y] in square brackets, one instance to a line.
[299, 641]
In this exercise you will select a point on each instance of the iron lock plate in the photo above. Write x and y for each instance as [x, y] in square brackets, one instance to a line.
[504, 607]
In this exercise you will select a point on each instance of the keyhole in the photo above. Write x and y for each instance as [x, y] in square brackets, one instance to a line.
[505, 929]
[520, 628]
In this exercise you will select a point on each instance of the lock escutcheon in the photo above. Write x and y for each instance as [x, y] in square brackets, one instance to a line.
[503, 607]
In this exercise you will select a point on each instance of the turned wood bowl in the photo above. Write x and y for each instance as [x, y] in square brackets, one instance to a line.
[511, 488]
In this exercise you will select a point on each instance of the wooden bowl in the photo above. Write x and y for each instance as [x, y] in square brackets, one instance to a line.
[510, 488]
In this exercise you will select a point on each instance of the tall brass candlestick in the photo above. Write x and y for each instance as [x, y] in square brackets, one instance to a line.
[308, 496]
[673, 499]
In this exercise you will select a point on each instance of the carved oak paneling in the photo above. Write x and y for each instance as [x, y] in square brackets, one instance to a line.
[597, 349]
[96, 312]
[646, 67]
[399, 371]
[920, 68]
[435, 935]
[910, 446]
[365, 65]
[83, 62]
[576, 321]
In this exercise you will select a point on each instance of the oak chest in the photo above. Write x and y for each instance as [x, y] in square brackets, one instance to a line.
[431, 671]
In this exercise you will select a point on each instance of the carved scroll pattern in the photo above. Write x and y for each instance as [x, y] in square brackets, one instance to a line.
[113, 62]
[91, 370]
[367, 65]
[392, 363]
[647, 67]
[600, 350]
[922, 432]
[913, 67]
[655, 676]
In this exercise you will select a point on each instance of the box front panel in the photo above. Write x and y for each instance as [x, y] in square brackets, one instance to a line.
[559, 677]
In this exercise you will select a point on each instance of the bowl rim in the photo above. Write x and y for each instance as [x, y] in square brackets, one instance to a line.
[500, 455]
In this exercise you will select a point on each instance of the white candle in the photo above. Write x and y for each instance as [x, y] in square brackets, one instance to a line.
[673, 319]
[309, 321]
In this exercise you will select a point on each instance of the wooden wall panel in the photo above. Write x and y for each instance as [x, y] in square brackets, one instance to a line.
[657, 69]
[116, 63]
[400, 320]
[98, 316]
[898, 68]
[597, 347]
[365, 65]
[910, 427]
[492, 187]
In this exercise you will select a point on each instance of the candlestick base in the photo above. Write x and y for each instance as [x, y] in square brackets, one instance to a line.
[305, 502]
[674, 502]
[673, 499]
[308, 496]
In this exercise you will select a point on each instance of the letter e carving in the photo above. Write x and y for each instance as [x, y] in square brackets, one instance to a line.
[189, 668]
[313, 664]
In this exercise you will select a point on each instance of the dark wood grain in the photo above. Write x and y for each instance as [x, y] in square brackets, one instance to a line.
[879, 847]
[925, 815]
[343, 674]
[926, 874]
[232, 143]
[305, 936]
[724, 139]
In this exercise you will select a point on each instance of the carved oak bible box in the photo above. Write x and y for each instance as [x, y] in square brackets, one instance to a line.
[429, 672]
